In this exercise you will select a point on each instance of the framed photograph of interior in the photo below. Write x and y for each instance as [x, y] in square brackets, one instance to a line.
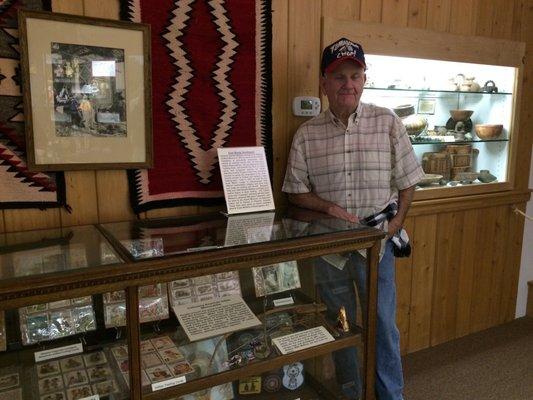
[426, 106]
[87, 92]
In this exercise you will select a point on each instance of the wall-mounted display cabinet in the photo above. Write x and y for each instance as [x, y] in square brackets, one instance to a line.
[456, 95]
[210, 307]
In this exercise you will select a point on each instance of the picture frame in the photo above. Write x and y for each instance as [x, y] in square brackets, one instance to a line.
[87, 92]
[276, 278]
[426, 106]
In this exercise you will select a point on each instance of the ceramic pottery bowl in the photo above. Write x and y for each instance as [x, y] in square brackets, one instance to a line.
[461, 115]
[488, 131]
[404, 110]
[415, 124]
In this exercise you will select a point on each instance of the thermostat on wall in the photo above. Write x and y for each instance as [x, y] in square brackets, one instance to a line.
[306, 106]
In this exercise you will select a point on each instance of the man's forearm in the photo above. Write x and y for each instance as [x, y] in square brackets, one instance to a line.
[405, 197]
[310, 200]
[314, 202]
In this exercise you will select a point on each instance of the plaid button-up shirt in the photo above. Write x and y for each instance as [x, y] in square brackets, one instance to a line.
[360, 167]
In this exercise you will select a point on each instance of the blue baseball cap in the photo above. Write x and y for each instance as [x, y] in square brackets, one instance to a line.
[339, 51]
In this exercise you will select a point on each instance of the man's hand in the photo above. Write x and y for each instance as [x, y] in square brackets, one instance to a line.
[405, 197]
[395, 224]
[338, 212]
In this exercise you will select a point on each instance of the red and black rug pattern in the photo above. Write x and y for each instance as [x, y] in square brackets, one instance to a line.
[19, 187]
[211, 87]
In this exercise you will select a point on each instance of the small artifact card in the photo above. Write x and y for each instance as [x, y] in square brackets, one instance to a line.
[302, 340]
[9, 381]
[153, 305]
[215, 317]
[15, 394]
[203, 288]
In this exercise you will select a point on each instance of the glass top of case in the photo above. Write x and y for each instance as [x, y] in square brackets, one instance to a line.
[53, 250]
[143, 239]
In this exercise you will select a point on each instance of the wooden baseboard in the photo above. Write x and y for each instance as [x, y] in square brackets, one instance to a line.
[529, 307]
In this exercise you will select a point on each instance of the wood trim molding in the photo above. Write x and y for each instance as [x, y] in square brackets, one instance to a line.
[435, 206]
[423, 43]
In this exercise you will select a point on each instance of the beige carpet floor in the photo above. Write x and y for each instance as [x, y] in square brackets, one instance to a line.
[495, 364]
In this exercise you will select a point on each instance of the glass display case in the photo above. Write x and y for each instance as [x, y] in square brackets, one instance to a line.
[458, 115]
[209, 307]
[52, 341]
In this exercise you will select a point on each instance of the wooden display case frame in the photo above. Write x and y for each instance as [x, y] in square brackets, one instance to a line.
[25, 291]
[388, 40]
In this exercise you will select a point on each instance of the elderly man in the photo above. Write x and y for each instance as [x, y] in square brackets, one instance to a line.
[354, 161]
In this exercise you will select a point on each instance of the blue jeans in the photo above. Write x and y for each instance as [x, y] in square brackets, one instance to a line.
[336, 289]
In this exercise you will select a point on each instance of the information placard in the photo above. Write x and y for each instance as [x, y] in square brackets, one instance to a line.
[245, 179]
[168, 383]
[215, 317]
[283, 302]
[303, 340]
[58, 352]
[93, 397]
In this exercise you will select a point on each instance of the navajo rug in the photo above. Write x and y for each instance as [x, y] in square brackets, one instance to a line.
[19, 188]
[211, 84]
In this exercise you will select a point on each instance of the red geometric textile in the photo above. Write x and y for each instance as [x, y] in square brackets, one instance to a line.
[210, 88]
[19, 188]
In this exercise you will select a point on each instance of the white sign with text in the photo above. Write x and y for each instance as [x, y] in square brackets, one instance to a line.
[58, 352]
[302, 340]
[215, 317]
[245, 179]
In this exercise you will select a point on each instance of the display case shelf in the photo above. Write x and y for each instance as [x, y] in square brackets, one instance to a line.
[417, 141]
[437, 91]
[257, 367]
[313, 391]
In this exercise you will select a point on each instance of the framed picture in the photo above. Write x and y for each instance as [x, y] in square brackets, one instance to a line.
[87, 92]
[276, 278]
[426, 106]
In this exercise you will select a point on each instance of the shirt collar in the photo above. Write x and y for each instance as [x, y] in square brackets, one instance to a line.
[354, 117]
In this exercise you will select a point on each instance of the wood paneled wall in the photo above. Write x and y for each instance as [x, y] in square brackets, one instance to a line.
[463, 272]
[462, 276]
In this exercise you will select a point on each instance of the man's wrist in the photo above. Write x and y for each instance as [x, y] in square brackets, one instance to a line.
[330, 208]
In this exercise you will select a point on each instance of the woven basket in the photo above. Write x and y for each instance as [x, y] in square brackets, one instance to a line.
[458, 170]
[461, 154]
[461, 160]
[438, 163]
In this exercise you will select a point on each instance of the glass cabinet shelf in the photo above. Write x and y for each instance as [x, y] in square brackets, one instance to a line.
[437, 91]
[418, 140]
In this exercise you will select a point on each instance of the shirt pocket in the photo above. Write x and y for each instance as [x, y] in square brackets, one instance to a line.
[375, 164]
